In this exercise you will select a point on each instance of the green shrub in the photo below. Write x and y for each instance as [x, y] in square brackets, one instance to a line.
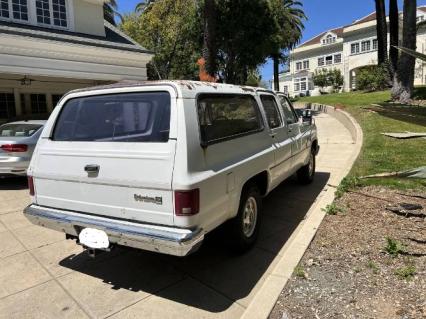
[326, 77]
[346, 184]
[407, 272]
[372, 78]
[333, 209]
[393, 247]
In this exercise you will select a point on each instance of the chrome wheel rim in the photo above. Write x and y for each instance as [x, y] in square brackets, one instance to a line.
[249, 217]
[311, 165]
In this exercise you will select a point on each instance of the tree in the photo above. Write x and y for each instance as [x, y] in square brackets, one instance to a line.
[245, 31]
[209, 38]
[404, 80]
[110, 11]
[288, 16]
[171, 29]
[143, 6]
[394, 35]
[382, 32]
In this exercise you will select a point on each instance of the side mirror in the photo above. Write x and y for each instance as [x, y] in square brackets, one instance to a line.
[307, 116]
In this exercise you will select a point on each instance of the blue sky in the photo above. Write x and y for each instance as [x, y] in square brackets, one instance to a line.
[322, 15]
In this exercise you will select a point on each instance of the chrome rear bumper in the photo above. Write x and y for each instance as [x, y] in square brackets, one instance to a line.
[167, 240]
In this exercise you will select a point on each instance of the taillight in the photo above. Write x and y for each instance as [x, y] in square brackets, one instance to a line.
[31, 185]
[187, 203]
[14, 148]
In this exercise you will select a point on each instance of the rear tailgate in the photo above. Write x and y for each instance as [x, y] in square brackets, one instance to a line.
[110, 155]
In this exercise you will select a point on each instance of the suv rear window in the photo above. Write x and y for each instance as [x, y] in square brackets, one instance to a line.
[227, 116]
[125, 117]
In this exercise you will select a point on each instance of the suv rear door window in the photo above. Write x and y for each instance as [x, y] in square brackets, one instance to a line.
[271, 109]
[288, 110]
[227, 116]
[125, 117]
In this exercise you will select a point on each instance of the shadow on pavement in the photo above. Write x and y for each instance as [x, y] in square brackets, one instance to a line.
[13, 183]
[216, 269]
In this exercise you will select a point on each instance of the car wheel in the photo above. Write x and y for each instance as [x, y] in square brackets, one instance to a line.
[306, 174]
[244, 228]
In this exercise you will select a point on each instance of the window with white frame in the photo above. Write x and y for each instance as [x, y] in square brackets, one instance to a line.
[42, 12]
[354, 48]
[298, 66]
[321, 61]
[329, 39]
[338, 58]
[366, 46]
[306, 64]
[300, 84]
[17, 9]
[375, 44]
[329, 60]
[285, 89]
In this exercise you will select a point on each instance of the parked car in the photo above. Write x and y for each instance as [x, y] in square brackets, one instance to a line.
[157, 166]
[17, 143]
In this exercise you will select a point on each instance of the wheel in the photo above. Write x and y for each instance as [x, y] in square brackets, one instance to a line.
[243, 230]
[306, 174]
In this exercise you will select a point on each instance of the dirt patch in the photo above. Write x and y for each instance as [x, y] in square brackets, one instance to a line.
[365, 262]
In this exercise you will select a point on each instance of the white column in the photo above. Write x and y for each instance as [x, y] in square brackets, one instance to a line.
[49, 102]
[18, 102]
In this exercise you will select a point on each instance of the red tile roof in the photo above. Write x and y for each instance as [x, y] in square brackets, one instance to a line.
[370, 17]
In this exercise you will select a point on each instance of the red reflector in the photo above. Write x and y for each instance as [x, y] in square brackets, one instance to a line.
[14, 148]
[31, 185]
[187, 203]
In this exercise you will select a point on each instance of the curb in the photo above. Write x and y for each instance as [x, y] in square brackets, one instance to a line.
[265, 299]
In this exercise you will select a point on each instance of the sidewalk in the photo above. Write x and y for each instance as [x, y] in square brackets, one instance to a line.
[44, 276]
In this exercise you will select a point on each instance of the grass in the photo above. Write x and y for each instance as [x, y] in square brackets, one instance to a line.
[406, 272]
[381, 154]
[373, 266]
[299, 272]
[393, 247]
[333, 209]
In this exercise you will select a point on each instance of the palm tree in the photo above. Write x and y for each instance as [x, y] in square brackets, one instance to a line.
[143, 6]
[110, 11]
[404, 80]
[394, 35]
[209, 38]
[382, 32]
[289, 17]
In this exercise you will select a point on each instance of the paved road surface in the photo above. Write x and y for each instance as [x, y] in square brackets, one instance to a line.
[44, 276]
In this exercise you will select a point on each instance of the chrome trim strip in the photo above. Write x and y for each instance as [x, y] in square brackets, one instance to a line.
[168, 240]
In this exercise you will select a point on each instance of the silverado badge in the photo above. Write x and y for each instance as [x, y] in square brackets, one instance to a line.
[147, 199]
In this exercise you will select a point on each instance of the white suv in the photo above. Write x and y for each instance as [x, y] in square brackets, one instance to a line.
[157, 165]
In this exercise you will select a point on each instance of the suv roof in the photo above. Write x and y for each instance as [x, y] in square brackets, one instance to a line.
[183, 88]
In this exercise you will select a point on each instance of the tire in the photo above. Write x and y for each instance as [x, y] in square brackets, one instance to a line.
[306, 174]
[243, 230]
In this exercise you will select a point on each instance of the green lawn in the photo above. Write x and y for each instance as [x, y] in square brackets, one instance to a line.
[380, 153]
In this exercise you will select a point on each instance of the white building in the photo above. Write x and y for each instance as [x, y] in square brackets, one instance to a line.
[48, 47]
[347, 49]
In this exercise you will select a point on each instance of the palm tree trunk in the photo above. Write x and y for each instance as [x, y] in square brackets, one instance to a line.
[382, 32]
[276, 61]
[404, 80]
[209, 49]
[394, 35]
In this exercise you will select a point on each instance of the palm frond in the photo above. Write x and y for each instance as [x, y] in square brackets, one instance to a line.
[413, 53]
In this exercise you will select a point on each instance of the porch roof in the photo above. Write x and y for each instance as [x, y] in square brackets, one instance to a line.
[114, 39]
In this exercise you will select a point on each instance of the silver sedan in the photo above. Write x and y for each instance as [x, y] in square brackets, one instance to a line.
[17, 143]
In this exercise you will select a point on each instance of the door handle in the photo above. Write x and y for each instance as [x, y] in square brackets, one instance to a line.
[92, 168]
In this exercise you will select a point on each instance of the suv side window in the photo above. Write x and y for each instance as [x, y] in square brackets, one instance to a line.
[226, 116]
[288, 111]
[271, 109]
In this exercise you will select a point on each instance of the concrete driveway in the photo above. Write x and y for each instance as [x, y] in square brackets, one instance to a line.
[44, 276]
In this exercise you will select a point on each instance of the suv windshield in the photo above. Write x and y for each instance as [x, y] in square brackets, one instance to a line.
[18, 130]
[125, 117]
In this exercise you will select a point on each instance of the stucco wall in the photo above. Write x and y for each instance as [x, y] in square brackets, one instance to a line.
[88, 17]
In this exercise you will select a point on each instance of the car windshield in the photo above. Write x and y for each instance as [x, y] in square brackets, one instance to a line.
[19, 130]
[125, 117]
